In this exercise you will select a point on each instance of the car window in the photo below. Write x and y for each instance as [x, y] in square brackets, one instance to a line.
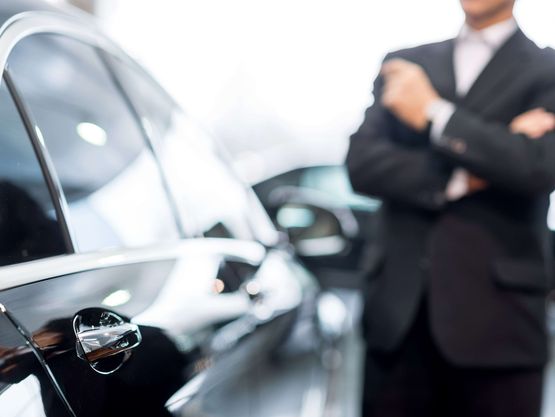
[109, 177]
[28, 223]
[210, 194]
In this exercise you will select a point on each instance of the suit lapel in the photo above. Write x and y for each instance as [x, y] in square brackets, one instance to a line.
[503, 66]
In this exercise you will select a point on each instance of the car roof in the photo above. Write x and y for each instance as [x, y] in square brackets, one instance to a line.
[10, 8]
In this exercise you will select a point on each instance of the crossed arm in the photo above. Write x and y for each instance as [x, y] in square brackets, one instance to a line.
[519, 157]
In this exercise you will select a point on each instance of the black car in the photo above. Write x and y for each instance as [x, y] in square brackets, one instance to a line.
[139, 276]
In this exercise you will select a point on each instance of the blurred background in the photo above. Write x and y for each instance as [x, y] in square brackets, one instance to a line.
[283, 83]
[283, 77]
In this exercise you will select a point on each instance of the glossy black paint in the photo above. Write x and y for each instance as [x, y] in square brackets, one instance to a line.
[25, 387]
[190, 332]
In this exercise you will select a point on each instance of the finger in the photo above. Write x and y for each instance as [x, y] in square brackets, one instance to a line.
[395, 65]
[540, 120]
[386, 99]
[545, 123]
[529, 129]
[389, 97]
[535, 129]
[522, 118]
[393, 82]
[391, 85]
[521, 125]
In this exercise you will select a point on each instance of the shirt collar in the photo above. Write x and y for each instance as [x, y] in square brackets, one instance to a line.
[494, 36]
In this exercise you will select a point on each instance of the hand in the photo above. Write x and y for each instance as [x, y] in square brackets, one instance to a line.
[407, 92]
[534, 123]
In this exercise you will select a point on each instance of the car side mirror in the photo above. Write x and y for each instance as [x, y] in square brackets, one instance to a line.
[312, 230]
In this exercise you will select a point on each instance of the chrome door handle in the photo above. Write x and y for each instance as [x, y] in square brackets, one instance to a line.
[101, 335]
[102, 343]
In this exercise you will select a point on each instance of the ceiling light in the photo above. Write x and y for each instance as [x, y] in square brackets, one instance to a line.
[92, 133]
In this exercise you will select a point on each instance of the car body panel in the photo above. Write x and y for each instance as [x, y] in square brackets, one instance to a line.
[26, 388]
[190, 331]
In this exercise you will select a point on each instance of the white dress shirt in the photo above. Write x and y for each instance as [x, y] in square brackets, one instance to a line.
[473, 51]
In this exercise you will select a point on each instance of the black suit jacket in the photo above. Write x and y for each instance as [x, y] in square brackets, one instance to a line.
[484, 262]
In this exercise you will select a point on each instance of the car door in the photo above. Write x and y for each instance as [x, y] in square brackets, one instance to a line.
[160, 335]
[335, 231]
[129, 318]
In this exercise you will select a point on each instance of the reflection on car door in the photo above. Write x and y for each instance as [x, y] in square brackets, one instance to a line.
[199, 323]
[26, 390]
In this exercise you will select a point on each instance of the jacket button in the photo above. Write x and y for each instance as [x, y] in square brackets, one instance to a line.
[458, 146]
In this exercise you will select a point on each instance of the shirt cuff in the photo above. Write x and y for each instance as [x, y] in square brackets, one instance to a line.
[439, 113]
[457, 187]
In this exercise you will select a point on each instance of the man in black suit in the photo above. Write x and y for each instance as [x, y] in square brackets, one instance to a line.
[460, 146]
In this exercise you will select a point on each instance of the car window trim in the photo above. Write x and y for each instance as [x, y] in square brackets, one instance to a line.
[135, 114]
[26, 24]
[43, 157]
[17, 275]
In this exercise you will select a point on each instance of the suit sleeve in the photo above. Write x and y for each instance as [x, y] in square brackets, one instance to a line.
[507, 160]
[380, 167]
